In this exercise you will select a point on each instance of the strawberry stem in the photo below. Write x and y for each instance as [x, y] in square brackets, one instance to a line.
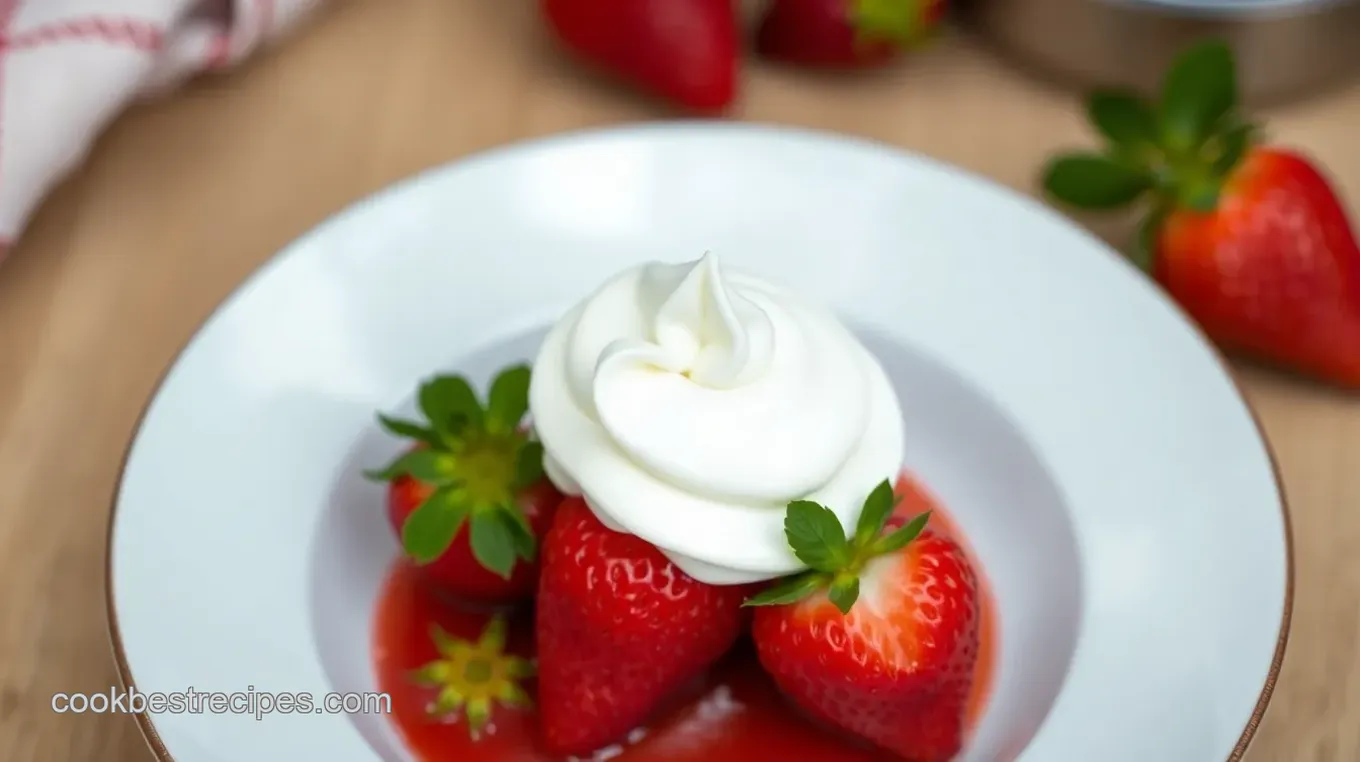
[478, 459]
[836, 560]
[1175, 154]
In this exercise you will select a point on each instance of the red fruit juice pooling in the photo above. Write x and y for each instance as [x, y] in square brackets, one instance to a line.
[733, 713]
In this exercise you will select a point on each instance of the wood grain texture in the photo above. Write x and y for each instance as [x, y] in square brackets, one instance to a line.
[182, 199]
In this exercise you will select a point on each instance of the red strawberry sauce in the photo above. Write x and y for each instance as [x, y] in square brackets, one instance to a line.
[734, 713]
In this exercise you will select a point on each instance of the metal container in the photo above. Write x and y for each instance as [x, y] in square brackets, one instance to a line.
[1285, 48]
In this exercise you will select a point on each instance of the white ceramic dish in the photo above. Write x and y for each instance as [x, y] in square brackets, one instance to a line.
[1090, 444]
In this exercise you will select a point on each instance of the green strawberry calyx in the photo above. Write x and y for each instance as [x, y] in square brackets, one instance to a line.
[478, 458]
[1173, 154]
[471, 678]
[903, 23]
[836, 560]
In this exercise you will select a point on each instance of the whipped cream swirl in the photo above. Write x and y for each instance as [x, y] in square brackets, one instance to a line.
[689, 405]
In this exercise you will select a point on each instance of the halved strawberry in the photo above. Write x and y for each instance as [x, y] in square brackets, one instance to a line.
[475, 467]
[880, 637]
[620, 628]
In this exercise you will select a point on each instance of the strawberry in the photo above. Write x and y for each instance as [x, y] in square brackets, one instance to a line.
[845, 33]
[471, 467]
[1250, 239]
[684, 50]
[879, 637]
[620, 629]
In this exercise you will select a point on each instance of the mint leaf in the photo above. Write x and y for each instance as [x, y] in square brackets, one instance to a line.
[508, 400]
[816, 536]
[426, 466]
[430, 528]
[528, 465]
[1126, 120]
[1091, 181]
[844, 592]
[449, 402]
[493, 545]
[788, 590]
[522, 535]
[1200, 88]
[409, 430]
[877, 508]
[902, 537]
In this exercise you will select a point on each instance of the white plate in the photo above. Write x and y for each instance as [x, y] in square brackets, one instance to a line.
[1093, 448]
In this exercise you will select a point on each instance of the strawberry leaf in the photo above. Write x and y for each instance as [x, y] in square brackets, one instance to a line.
[877, 508]
[1144, 251]
[816, 537]
[788, 590]
[430, 528]
[1092, 181]
[508, 400]
[1200, 88]
[522, 535]
[426, 466]
[449, 402]
[902, 537]
[528, 465]
[493, 544]
[409, 430]
[844, 592]
[1125, 119]
[1232, 146]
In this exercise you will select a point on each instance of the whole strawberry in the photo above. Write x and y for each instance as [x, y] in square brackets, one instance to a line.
[619, 630]
[845, 33]
[1250, 239]
[469, 499]
[880, 637]
[683, 50]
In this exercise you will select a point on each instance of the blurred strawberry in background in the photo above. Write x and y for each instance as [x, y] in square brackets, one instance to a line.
[691, 52]
[1248, 237]
[845, 33]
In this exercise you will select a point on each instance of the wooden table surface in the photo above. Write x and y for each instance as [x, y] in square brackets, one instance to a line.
[182, 199]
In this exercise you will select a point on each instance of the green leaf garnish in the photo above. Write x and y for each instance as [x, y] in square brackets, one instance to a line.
[526, 545]
[409, 430]
[529, 465]
[1199, 90]
[1176, 153]
[816, 536]
[430, 528]
[1144, 250]
[900, 538]
[1092, 181]
[480, 462]
[493, 543]
[900, 23]
[429, 466]
[449, 403]
[844, 592]
[472, 677]
[1125, 119]
[1233, 143]
[877, 508]
[508, 399]
[789, 590]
